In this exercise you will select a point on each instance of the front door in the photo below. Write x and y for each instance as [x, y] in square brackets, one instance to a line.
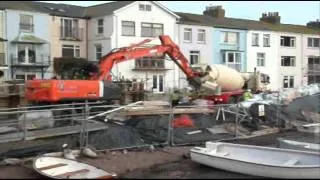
[158, 83]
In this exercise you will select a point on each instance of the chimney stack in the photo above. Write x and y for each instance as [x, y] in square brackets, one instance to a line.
[271, 17]
[214, 11]
[314, 24]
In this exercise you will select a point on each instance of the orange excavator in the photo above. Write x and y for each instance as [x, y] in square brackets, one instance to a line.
[99, 86]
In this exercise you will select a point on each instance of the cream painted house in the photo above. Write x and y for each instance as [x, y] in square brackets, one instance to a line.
[3, 55]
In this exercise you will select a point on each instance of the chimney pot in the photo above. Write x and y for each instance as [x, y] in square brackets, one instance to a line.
[214, 11]
[271, 17]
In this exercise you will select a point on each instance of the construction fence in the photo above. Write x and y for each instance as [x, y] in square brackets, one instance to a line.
[109, 127]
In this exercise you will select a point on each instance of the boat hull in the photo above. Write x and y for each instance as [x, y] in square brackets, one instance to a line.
[61, 168]
[245, 163]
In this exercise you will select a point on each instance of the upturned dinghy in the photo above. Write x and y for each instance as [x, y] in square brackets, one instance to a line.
[258, 160]
[61, 168]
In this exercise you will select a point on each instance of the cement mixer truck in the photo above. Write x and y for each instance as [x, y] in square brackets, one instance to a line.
[229, 84]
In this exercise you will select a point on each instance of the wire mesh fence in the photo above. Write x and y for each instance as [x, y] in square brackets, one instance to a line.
[139, 124]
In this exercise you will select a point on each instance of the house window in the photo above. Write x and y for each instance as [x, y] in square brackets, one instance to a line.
[229, 37]
[69, 29]
[255, 39]
[260, 59]
[144, 7]
[187, 35]
[314, 42]
[128, 28]
[25, 77]
[194, 57]
[287, 41]
[100, 26]
[313, 64]
[98, 52]
[26, 23]
[161, 83]
[70, 51]
[266, 40]
[288, 61]
[288, 81]
[148, 7]
[201, 36]
[232, 60]
[313, 79]
[155, 82]
[26, 53]
[313, 60]
[151, 29]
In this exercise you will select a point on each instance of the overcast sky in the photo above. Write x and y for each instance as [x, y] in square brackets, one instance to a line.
[291, 12]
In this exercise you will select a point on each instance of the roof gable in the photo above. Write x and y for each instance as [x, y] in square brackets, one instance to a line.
[117, 6]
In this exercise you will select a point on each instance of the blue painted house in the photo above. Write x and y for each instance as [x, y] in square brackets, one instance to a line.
[28, 34]
[229, 39]
[229, 48]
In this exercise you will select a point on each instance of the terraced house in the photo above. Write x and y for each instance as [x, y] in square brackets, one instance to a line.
[228, 37]
[28, 47]
[195, 41]
[120, 24]
[39, 32]
[289, 54]
[3, 46]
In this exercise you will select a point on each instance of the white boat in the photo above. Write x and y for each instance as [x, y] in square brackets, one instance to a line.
[298, 145]
[61, 168]
[258, 161]
[310, 128]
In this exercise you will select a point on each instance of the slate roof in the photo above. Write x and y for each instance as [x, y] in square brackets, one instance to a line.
[245, 24]
[66, 10]
[106, 8]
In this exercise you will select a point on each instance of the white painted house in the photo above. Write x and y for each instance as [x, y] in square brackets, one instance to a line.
[195, 43]
[119, 24]
[311, 58]
[262, 50]
[281, 51]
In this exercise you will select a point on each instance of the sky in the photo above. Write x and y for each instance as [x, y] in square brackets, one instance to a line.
[291, 12]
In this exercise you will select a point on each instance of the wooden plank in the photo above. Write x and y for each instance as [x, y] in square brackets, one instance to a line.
[68, 174]
[52, 132]
[52, 166]
[168, 111]
[105, 177]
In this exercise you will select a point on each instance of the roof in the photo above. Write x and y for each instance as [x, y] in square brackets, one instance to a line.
[245, 24]
[66, 10]
[60, 9]
[106, 8]
[48, 8]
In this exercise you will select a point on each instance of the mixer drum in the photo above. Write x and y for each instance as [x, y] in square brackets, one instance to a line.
[229, 79]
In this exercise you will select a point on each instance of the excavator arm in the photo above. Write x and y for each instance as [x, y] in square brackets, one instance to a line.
[128, 53]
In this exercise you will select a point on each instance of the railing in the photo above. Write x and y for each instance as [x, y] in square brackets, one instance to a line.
[314, 68]
[40, 60]
[3, 59]
[157, 64]
[73, 34]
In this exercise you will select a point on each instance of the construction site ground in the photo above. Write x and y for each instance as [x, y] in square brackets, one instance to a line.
[163, 162]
